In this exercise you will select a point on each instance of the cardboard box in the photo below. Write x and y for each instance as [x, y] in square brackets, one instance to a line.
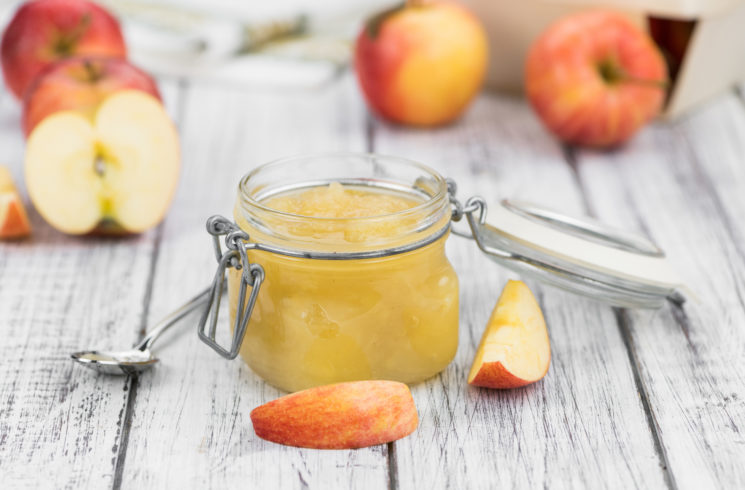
[711, 61]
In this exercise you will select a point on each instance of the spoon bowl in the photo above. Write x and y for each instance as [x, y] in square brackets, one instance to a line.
[125, 362]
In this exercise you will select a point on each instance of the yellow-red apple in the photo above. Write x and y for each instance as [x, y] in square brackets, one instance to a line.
[595, 78]
[81, 84]
[44, 31]
[339, 416]
[422, 63]
[119, 168]
[13, 219]
[514, 349]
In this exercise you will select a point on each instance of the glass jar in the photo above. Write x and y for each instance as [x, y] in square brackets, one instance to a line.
[326, 294]
[318, 321]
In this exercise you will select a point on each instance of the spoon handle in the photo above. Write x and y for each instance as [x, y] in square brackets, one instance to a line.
[167, 322]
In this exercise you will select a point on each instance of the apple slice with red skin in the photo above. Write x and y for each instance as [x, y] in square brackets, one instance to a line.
[339, 416]
[45, 31]
[120, 168]
[81, 84]
[13, 219]
[515, 349]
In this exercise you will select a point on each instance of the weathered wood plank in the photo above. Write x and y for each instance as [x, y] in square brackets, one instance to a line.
[191, 425]
[584, 424]
[59, 424]
[683, 184]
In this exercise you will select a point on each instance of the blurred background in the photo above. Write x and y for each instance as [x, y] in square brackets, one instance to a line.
[279, 43]
[294, 43]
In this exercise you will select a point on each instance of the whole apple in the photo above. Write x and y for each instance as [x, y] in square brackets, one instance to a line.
[595, 78]
[81, 84]
[422, 63]
[44, 31]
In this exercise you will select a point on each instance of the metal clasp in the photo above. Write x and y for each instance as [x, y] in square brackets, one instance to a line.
[252, 276]
[474, 204]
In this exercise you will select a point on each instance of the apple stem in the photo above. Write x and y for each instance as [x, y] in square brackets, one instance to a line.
[66, 44]
[93, 71]
[613, 73]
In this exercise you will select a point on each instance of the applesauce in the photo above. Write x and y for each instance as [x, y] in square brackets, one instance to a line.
[361, 288]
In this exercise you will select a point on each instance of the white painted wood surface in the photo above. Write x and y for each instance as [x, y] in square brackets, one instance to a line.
[684, 184]
[632, 399]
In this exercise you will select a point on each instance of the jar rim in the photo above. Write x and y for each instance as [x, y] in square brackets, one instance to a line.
[249, 198]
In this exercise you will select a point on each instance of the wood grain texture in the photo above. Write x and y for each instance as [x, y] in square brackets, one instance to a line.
[191, 425]
[683, 185]
[584, 424]
[60, 425]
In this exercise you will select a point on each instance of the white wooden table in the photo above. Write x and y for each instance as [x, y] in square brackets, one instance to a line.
[645, 399]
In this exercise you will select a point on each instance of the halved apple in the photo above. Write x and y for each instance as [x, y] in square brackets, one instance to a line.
[13, 219]
[122, 167]
[514, 350]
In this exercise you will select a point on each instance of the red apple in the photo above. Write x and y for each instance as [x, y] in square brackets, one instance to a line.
[45, 31]
[595, 78]
[81, 84]
[422, 63]
[13, 219]
[339, 416]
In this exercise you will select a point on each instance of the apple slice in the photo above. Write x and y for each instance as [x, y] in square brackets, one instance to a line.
[514, 350]
[13, 219]
[339, 416]
[120, 168]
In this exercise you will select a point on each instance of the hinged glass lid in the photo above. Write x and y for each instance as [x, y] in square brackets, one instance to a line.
[578, 255]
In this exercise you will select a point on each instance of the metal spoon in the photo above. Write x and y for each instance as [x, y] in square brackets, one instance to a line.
[139, 358]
